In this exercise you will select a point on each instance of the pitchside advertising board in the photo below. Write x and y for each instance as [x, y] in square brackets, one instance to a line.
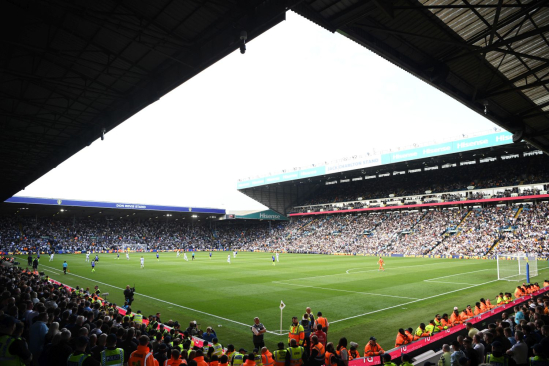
[117, 205]
[451, 147]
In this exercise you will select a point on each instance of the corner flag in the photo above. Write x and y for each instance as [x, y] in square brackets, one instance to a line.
[282, 305]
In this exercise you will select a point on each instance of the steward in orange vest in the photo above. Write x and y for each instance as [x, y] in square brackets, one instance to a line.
[318, 352]
[142, 356]
[456, 318]
[402, 338]
[372, 348]
[266, 357]
[322, 321]
[174, 360]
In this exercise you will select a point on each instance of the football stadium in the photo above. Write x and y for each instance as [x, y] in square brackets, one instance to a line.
[431, 253]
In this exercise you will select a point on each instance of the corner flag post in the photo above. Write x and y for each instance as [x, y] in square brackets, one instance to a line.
[282, 306]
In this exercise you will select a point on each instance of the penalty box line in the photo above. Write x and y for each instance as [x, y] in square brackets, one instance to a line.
[335, 289]
[410, 302]
[167, 302]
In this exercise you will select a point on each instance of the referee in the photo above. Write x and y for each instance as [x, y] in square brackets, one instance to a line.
[258, 329]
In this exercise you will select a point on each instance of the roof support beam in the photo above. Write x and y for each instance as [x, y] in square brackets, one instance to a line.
[522, 87]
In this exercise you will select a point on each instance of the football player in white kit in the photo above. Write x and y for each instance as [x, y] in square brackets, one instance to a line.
[142, 262]
[277, 257]
[88, 256]
[51, 256]
[178, 253]
[229, 259]
[185, 256]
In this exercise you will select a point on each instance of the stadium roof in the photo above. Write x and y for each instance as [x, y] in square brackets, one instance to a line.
[73, 70]
[492, 56]
[43, 207]
[284, 195]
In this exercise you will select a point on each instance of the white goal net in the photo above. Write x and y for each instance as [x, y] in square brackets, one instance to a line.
[513, 267]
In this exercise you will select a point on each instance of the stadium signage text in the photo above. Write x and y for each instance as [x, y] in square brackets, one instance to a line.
[465, 144]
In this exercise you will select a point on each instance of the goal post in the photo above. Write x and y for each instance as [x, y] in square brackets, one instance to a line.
[517, 267]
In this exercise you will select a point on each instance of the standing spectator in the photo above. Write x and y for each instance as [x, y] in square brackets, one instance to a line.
[342, 351]
[470, 353]
[38, 333]
[457, 354]
[307, 327]
[35, 264]
[322, 338]
[446, 357]
[519, 351]
[258, 329]
[478, 346]
[322, 321]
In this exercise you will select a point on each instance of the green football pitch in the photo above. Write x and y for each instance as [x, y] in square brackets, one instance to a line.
[358, 300]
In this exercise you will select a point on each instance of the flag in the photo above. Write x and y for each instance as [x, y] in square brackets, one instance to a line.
[282, 305]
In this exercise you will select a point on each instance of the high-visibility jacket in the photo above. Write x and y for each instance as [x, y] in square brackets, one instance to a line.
[489, 304]
[483, 307]
[518, 293]
[500, 300]
[296, 355]
[6, 358]
[298, 333]
[257, 359]
[76, 360]
[279, 357]
[477, 310]
[322, 321]
[173, 362]
[469, 313]
[249, 363]
[374, 350]
[200, 361]
[455, 319]
[321, 352]
[142, 357]
[438, 325]
[431, 328]
[422, 333]
[401, 340]
[497, 361]
[538, 361]
[238, 359]
[267, 358]
[446, 323]
[138, 319]
[412, 336]
[328, 359]
[112, 357]
[218, 349]
[506, 299]
[353, 354]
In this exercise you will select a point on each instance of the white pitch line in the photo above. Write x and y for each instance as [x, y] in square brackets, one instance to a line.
[408, 303]
[459, 274]
[335, 289]
[169, 303]
[453, 283]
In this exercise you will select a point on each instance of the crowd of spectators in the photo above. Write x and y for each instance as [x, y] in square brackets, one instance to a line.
[476, 232]
[506, 173]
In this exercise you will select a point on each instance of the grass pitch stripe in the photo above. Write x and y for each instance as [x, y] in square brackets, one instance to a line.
[167, 302]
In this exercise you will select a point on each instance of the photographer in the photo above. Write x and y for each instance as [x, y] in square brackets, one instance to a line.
[128, 294]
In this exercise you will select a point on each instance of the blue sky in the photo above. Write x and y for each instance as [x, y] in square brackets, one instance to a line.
[298, 96]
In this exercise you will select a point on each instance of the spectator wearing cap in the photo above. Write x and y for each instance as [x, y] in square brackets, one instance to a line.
[13, 349]
[372, 348]
[519, 351]
[112, 356]
[79, 356]
[539, 359]
[497, 356]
